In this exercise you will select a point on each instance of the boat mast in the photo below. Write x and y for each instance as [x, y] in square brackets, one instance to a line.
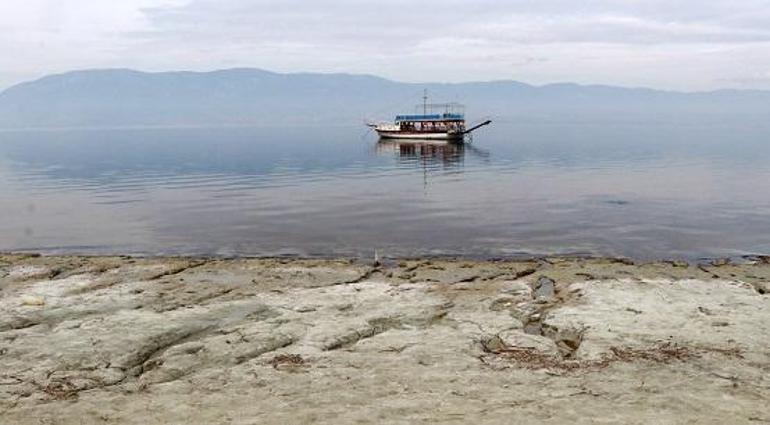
[425, 102]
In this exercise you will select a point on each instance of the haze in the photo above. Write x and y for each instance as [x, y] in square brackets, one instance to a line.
[683, 45]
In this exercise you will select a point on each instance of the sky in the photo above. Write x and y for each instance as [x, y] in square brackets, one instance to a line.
[685, 45]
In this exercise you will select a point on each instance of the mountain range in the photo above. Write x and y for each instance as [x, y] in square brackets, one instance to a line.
[251, 97]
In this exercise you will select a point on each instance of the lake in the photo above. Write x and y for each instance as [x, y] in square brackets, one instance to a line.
[644, 190]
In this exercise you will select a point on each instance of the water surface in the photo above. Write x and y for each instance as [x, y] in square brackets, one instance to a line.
[521, 188]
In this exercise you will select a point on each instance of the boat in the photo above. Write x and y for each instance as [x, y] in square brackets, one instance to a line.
[438, 121]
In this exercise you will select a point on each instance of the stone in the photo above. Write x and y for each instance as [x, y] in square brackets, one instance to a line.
[32, 300]
[520, 339]
[544, 287]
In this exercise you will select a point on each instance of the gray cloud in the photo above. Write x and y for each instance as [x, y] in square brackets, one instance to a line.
[684, 44]
[395, 22]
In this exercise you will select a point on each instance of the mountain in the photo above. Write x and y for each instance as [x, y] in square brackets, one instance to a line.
[128, 98]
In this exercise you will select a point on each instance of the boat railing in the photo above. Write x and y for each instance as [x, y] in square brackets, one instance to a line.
[441, 108]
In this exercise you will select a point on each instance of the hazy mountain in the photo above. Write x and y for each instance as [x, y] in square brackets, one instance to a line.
[126, 98]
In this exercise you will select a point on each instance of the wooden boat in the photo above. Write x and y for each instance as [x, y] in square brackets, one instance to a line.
[448, 124]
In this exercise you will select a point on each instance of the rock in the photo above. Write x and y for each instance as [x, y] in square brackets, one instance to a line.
[520, 339]
[761, 287]
[305, 308]
[32, 300]
[162, 340]
[517, 289]
[566, 337]
[544, 287]
[28, 272]
[503, 303]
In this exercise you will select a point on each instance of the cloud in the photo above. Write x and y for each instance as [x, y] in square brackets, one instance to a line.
[384, 23]
[629, 42]
[41, 36]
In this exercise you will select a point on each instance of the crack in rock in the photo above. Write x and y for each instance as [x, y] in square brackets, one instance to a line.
[373, 328]
[179, 269]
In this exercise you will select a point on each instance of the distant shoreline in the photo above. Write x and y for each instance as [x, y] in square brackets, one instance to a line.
[120, 97]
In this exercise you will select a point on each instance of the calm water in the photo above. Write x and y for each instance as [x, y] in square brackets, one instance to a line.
[639, 190]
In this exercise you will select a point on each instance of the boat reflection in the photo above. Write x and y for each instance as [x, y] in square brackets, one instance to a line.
[429, 154]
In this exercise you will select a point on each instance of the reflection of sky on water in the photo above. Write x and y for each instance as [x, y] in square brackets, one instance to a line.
[519, 188]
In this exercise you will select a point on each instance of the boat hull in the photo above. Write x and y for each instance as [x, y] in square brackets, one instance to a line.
[403, 135]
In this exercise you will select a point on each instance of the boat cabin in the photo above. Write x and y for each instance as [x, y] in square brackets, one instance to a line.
[431, 123]
[450, 119]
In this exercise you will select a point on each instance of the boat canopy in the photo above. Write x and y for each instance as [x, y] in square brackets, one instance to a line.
[431, 117]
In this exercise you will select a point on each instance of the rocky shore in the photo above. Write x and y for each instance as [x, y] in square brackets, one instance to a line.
[93, 340]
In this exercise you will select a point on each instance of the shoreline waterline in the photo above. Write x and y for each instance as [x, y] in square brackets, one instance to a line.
[380, 258]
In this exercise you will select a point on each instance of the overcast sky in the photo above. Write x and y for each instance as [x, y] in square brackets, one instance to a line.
[671, 44]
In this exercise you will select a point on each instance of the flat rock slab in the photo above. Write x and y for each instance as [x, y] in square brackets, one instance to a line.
[94, 340]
